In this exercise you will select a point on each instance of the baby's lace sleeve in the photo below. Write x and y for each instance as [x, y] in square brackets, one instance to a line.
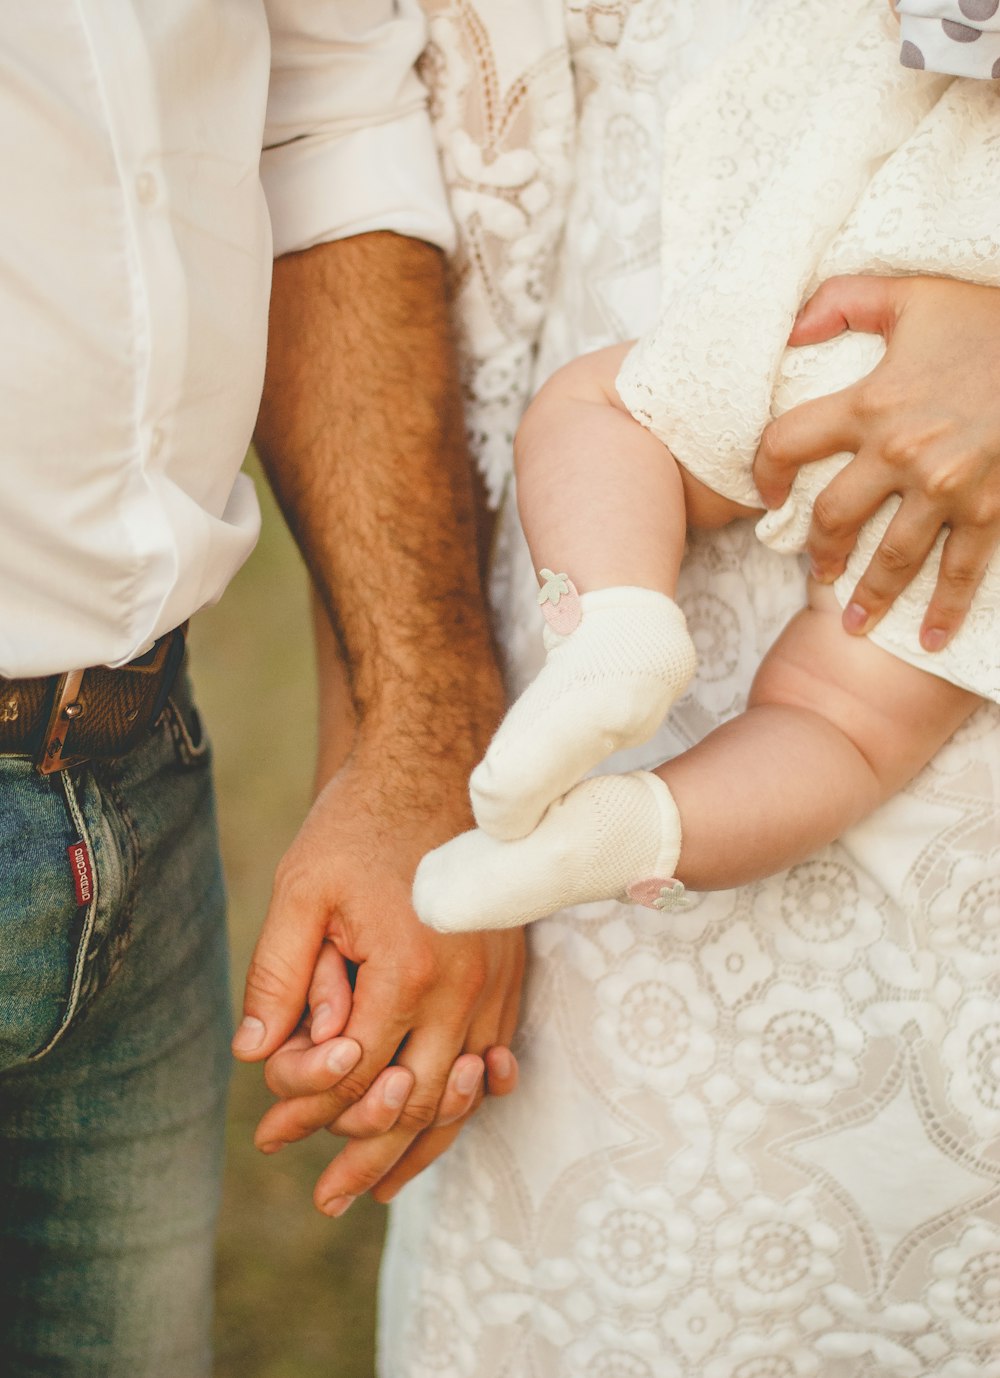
[959, 37]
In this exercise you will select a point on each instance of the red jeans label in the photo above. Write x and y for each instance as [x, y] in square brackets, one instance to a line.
[83, 875]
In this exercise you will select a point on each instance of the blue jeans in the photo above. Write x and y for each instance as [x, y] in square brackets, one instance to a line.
[114, 1025]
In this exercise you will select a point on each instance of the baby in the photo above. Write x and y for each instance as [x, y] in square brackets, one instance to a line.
[624, 449]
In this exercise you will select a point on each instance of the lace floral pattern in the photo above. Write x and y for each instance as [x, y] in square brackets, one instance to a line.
[756, 1138]
[506, 134]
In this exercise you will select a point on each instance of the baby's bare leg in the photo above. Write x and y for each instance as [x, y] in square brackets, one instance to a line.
[604, 502]
[834, 727]
[598, 494]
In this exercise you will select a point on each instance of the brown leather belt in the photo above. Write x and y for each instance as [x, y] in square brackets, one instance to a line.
[88, 715]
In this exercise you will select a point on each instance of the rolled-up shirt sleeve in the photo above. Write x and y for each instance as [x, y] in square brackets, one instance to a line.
[957, 37]
[348, 143]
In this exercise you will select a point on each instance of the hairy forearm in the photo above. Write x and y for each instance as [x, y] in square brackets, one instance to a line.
[335, 716]
[361, 433]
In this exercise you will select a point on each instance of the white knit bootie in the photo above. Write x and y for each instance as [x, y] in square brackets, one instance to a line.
[605, 685]
[612, 837]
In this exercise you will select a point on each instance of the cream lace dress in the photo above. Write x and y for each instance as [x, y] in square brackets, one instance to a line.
[759, 1139]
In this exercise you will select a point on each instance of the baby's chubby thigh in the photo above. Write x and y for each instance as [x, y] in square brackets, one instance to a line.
[895, 715]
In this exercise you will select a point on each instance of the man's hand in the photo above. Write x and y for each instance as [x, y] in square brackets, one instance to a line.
[362, 435]
[925, 423]
[428, 1012]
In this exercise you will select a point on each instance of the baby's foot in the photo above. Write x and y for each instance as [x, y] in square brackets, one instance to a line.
[605, 840]
[607, 684]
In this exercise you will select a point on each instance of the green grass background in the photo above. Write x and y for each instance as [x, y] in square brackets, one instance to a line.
[296, 1293]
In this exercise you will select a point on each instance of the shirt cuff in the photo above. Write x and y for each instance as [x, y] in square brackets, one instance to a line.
[383, 177]
[960, 38]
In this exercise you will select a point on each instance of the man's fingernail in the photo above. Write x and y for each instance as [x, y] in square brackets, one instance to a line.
[395, 1091]
[502, 1064]
[337, 1205]
[933, 639]
[343, 1056]
[855, 617]
[275, 1146]
[468, 1079]
[249, 1036]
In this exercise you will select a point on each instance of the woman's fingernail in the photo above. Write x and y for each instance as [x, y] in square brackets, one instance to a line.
[933, 639]
[855, 617]
[337, 1205]
[343, 1056]
[249, 1036]
[468, 1079]
[274, 1147]
[395, 1090]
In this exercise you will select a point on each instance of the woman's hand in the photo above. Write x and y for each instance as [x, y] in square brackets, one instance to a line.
[925, 423]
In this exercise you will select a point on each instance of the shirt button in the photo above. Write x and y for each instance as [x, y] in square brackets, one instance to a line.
[146, 188]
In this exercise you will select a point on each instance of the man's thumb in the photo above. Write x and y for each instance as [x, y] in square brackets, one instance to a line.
[277, 983]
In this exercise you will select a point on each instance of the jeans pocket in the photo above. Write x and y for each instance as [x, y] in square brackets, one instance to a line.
[48, 906]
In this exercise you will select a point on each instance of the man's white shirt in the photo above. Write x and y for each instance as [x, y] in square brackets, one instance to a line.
[135, 255]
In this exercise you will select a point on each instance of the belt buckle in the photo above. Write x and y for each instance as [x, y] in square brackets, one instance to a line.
[52, 756]
[158, 666]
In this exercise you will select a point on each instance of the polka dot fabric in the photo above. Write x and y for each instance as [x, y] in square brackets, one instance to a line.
[957, 37]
